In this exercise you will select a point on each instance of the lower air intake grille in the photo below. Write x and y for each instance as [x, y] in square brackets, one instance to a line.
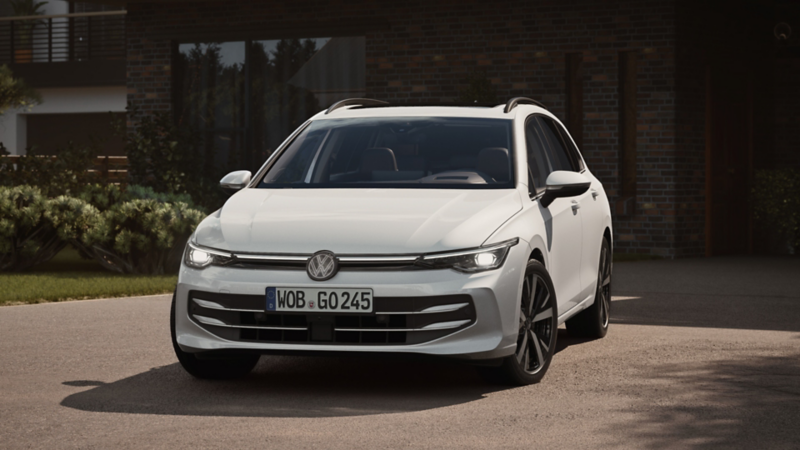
[395, 320]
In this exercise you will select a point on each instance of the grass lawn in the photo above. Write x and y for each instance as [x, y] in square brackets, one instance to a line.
[69, 277]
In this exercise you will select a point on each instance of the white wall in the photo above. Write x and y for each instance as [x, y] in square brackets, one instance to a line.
[13, 131]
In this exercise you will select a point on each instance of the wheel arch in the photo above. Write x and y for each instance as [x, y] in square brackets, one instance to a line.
[608, 236]
[538, 256]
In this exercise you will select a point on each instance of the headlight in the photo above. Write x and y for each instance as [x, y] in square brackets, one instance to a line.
[472, 260]
[200, 257]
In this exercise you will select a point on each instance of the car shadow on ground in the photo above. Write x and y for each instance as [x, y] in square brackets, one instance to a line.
[296, 386]
[291, 386]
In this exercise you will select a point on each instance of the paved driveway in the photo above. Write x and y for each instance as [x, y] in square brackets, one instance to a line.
[702, 353]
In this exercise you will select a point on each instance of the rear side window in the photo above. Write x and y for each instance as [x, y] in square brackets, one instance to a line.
[557, 153]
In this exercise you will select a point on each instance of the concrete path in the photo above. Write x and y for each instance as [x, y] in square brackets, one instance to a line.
[702, 354]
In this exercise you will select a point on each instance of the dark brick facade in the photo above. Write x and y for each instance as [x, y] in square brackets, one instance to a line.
[425, 51]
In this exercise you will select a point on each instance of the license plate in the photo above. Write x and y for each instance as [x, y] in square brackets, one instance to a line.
[319, 300]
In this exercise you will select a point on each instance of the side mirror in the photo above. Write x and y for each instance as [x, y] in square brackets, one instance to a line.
[562, 183]
[236, 180]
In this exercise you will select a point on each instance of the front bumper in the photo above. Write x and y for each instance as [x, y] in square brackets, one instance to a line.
[490, 333]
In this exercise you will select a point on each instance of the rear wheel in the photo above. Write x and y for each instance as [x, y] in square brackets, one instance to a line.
[220, 367]
[536, 338]
[592, 322]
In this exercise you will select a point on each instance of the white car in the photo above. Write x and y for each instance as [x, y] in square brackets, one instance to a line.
[463, 232]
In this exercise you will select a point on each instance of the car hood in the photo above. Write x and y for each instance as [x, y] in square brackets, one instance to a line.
[357, 221]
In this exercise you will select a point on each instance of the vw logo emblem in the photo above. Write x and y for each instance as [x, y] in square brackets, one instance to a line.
[322, 266]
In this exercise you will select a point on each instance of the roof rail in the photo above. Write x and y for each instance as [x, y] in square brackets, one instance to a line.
[355, 101]
[511, 104]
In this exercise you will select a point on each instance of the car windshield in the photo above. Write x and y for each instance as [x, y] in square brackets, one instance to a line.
[457, 153]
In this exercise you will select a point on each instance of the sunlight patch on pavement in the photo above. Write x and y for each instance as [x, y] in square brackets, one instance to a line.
[619, 299]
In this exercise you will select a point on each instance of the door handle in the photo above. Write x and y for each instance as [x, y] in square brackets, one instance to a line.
[595, 194]
[575, 205]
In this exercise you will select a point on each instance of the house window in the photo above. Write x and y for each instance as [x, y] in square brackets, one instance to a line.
[246, 97]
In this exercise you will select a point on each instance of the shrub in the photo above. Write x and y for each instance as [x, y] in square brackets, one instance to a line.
[14, 93]
[776, 205]
[169, 158]
[66, 174]
[123, 233]
[146, 192]
[27, 235]
[103, 197]
[139, 236]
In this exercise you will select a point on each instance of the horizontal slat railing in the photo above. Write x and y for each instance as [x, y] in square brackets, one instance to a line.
[63, 37]
[109, 169]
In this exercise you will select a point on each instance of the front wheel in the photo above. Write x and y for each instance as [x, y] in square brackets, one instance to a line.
[536, 338]
[221, 367]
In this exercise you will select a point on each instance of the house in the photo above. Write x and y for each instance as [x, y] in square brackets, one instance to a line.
[74, 55]
[674, 103]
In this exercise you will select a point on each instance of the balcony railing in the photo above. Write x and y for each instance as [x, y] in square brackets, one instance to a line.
[63, 37]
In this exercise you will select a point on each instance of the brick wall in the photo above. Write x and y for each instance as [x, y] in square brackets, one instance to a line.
[425, 50]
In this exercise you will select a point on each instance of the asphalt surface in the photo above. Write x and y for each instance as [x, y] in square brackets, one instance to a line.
[701, 354]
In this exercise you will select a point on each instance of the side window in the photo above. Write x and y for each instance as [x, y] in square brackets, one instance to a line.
[538, 167]
[557, 152]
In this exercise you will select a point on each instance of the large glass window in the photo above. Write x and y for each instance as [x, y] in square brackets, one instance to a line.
[408, 152]
[246, 97]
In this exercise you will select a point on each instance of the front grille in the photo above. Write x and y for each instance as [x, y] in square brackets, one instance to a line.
[395, 320]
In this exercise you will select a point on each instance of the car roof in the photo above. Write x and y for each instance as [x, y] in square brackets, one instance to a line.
[479, 112]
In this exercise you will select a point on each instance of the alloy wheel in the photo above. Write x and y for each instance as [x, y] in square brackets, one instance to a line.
[534, 343]
[604, 286]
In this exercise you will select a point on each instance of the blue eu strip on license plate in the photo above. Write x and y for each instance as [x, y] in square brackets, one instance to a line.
[301, 299]
[271, 299]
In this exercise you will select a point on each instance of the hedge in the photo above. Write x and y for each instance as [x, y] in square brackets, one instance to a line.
[125, 234]
[27, 234]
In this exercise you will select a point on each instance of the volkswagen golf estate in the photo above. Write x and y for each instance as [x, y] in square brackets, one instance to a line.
[462, 232]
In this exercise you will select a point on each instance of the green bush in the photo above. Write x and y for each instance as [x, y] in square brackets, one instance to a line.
[27, 234]
[103, 197]
[147, 193]
[776, 205]
[64, 175]
[169, 159]
[141, 236]
[15, 93]
[123, 233]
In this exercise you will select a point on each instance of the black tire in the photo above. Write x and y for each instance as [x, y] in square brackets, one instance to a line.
[592, 322]
[538, 326]
[221, 367]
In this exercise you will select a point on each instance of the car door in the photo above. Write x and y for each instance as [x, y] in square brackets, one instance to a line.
[562, 221]
[586, 203]
[592, 215]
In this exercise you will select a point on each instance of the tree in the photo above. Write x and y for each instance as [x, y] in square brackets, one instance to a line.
[14, 93]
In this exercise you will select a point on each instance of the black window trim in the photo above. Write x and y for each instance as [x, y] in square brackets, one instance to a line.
[575, 158]
[534, 194]
[572, 150]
